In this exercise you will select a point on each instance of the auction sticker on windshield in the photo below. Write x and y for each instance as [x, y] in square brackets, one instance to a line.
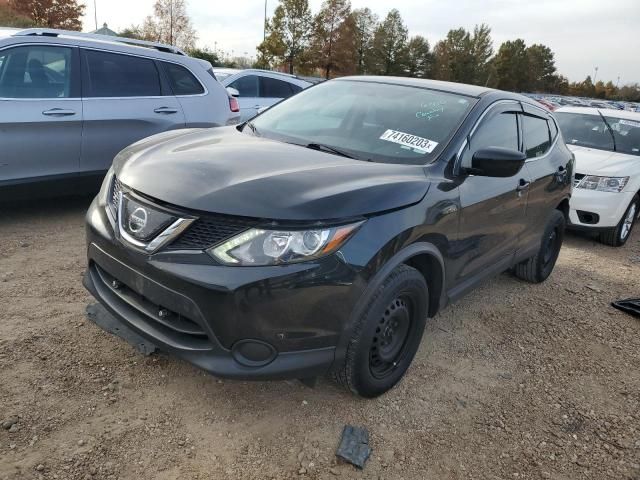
[418, 144]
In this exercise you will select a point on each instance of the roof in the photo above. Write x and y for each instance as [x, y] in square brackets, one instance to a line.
[610, 112]
[105, 31]
[461, 88]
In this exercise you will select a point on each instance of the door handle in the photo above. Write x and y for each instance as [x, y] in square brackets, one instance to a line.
[166, 110]
[58, 112]
[522, 185]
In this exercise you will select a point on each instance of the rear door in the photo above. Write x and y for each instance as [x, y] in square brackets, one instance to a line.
[249, 100]
[125, 99]
[493, 214]
[40, 112]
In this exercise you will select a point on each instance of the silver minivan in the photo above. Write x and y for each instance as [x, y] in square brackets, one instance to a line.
[69, 102]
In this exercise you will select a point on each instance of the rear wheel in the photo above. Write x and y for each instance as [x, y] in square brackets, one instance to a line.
[387, 334]
[618, 236]
[538, 268]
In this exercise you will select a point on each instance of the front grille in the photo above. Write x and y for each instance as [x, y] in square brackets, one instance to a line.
[210, 230]
[577, 178]
[114, 200]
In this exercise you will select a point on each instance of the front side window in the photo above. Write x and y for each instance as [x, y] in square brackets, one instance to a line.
[626, 133]
[35, 72]
[369, 121]
[536, 136]
[114, 75]
[585, 130]
[273, 88]
[500, 130]
[247, 86]
[182, 80]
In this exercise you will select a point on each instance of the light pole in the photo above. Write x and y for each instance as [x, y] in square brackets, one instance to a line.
[595, 75]
[95, 13]
[618, 82]
[264, 31]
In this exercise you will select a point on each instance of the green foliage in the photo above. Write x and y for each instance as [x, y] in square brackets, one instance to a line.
[364, 23]
[388, 56]
[418, 58]
[512, 66]
[333, 43]
[464, 56]
[208, 55]
[288, 35]
[10, 18]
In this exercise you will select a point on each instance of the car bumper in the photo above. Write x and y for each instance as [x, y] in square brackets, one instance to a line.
[235, 322]
[608, 207]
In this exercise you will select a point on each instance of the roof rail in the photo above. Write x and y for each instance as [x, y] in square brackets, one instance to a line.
[47, 32]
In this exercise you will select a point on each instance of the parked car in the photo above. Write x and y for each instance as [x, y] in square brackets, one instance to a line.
[70, 101]
[222, 72]
[606, 143]
[319, 236]
[259, 89]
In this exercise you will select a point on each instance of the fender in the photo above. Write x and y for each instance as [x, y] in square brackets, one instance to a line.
[398, 258]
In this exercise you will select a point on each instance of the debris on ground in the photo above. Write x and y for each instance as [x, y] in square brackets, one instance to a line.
[101, 317]
[630, 306]
[354, 446]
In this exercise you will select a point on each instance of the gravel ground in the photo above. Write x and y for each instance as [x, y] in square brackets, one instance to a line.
[516, 381]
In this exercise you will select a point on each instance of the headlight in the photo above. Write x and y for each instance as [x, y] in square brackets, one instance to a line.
[277, 247]
[603, 184]
[105, 189]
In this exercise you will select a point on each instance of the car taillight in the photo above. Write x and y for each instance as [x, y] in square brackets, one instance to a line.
[233, 104]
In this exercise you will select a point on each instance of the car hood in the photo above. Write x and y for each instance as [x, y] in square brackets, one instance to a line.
[591, 161]
[225, 171]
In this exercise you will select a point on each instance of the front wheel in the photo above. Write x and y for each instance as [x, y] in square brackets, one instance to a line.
[386, 335]
[618, 236]
[538, 268]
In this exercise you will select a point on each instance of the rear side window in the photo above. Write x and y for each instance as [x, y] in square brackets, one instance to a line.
[114, 75]
[536, 136]
[272, 88]
[182, 81]
[247, 86]
[35, 72]
[553, 129]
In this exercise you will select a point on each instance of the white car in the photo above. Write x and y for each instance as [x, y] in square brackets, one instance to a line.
[259, 89]
[606, 143]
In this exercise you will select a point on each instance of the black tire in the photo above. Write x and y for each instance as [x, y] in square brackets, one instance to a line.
[538, 268]
[618, 236]
[386, 335]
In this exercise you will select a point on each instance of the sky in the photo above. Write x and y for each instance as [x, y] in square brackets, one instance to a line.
[583, 34]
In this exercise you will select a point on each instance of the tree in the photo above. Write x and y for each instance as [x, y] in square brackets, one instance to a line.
[542, 68]
[418, 57]
[481, 53]
[170, 24]
[464, 56]
[389, 46]
[365, 23]
[134, 31]
[64, 14]
[206, 54]
[288, 35]
[512, 66]
[333, 42]
[10, 18]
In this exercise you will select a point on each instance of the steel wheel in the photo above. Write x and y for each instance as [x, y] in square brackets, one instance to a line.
[388, 345]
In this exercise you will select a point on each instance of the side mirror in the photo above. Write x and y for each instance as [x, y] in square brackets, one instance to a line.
[233, 92]
[497, 162]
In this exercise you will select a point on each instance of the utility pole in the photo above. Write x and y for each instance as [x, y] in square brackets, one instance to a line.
[95, 13]
[618, 82]
[595, 75]
[264, 32]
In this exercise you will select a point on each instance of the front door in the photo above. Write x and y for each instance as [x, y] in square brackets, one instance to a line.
[493, 209]
[40, 113]
[249, 99]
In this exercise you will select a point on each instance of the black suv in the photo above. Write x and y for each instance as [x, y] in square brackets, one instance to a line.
[319, 237]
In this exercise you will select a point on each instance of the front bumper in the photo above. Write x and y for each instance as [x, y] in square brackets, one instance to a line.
[236, 322]
[609, 207]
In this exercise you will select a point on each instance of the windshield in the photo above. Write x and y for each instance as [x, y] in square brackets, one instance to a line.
[585, 130]
[368, 121]
[626, 133]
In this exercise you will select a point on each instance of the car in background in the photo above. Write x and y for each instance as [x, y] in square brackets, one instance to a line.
[548, 104]
[69, 102]
[222, 72]
[606, 197]
[257, 90]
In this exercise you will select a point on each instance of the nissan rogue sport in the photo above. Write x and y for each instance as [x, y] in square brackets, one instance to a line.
[319, 237]
[70, 101]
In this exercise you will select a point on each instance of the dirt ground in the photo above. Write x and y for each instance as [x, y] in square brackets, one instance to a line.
[513, 382]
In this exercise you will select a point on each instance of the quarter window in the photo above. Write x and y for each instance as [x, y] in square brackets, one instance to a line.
[536, 136]
[247, 86]
[182, 80]
[35, 72]
[272, 88]
[114, 75]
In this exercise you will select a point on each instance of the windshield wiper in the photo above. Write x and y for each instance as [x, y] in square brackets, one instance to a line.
[613, 137]
[330, 149]
[253, 128]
